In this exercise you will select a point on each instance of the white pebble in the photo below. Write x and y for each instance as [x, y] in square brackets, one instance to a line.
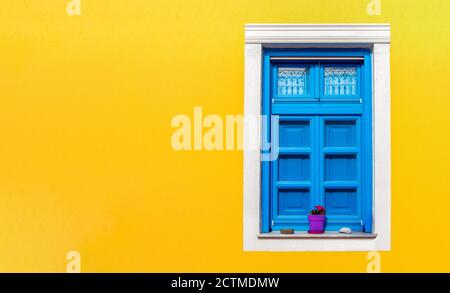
[345, 230]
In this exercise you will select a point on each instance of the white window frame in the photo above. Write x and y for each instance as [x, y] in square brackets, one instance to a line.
[377, 38]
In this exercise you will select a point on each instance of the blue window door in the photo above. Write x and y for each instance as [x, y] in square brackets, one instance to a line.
[323, 101]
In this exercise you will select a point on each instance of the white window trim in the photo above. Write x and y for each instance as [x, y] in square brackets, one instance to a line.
[374, 36]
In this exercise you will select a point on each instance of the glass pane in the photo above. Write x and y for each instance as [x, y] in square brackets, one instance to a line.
[340, 81]
[292, 81]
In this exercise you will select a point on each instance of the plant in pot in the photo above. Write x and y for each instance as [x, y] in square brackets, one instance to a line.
[317, 220]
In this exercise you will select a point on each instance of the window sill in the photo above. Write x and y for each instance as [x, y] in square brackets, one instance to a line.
[326, 235]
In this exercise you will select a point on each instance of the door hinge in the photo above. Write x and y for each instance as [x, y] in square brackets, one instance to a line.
[273, 223]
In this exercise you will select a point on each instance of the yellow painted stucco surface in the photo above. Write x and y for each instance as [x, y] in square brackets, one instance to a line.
[86, 162]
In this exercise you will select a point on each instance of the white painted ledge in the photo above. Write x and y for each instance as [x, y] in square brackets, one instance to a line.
[317, 33]
[326, 235]
[373, 36]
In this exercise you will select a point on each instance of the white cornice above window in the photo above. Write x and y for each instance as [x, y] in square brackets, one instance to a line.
[317, 33]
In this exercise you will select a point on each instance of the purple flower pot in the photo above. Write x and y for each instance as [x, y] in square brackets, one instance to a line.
[316, 224]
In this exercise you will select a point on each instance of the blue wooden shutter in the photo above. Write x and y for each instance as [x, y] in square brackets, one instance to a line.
[324, 111]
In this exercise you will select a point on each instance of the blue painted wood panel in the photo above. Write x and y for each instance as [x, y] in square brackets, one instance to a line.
[294, 134]
[340, 167]
[340, 133]
[294, 168]
[293, 202]
[341, 202]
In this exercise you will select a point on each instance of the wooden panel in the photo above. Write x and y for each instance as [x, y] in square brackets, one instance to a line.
[294, 134]
[294, 168]
[340, 133]
[293, 202]
[340, 167]
[341, 202]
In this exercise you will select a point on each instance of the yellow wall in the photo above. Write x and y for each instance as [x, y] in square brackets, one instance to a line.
[85, 156]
